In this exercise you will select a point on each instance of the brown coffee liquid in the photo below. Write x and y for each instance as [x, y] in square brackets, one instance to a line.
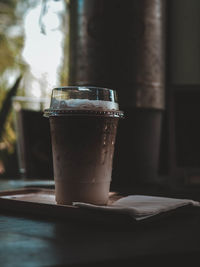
[83, 147]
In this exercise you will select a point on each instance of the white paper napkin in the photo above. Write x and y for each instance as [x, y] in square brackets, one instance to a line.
[140, 206]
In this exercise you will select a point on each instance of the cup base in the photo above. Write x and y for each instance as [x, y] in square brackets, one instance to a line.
[94, 193]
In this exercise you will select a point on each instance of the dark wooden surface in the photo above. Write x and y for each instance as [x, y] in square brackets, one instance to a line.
[33, 241]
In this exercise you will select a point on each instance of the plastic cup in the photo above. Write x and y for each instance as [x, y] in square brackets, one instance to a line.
[83, 123]
[33, 137]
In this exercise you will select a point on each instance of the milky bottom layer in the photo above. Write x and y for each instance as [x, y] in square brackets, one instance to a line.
[68, 192]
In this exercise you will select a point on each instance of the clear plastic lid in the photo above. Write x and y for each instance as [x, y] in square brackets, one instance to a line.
[82, 99]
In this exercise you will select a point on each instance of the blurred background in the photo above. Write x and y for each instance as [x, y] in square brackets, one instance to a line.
[148, 50]
[32, 43]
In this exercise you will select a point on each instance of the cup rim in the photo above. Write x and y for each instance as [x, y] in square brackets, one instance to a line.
[94, 113]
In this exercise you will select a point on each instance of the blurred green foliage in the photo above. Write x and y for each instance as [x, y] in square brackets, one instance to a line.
[12, 39]
[12, 36]
[11, 66]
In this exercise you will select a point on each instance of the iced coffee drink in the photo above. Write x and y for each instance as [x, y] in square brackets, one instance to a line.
[83, 122]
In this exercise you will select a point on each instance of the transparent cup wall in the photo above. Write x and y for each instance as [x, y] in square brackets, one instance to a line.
[30, 126]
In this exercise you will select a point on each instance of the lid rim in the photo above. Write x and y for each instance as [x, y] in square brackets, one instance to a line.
[107, 113]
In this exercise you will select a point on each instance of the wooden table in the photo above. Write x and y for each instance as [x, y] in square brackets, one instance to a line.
[30, 241]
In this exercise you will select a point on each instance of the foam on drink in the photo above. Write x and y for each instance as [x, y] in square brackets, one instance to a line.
[83, 104]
